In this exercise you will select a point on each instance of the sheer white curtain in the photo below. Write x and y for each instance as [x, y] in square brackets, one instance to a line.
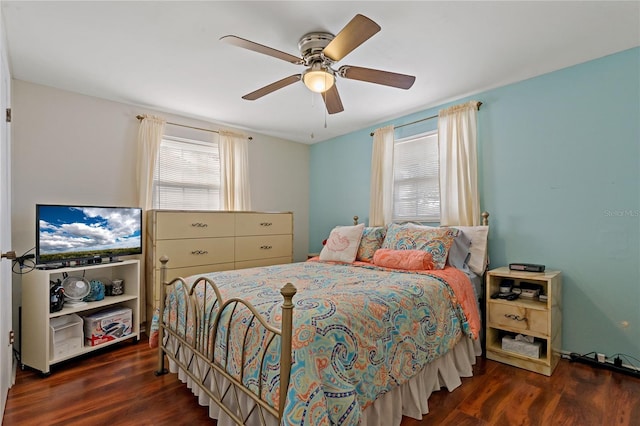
[234, 172]
[457, 132]
[150, 133]
[381, 195]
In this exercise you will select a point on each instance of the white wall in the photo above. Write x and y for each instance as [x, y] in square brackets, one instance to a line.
[75, 149]
[280, 182]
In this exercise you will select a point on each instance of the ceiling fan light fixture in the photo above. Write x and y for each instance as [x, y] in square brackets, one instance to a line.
[318, 78]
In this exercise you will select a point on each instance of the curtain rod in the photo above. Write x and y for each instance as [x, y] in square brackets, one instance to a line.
[418, 121]
[140, 117]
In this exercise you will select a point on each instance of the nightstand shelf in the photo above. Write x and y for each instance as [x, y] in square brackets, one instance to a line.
[541, 320]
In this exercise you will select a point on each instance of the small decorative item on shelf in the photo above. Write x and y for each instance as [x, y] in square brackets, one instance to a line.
[117, 287]
[506, 286]
[96, 290]
[56, 296]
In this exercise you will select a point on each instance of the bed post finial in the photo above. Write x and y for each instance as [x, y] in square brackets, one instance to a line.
[485, 218]
[288, 291]
[355, 220]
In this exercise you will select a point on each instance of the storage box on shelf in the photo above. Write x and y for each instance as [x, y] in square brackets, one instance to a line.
[107, 325]
[66, 335]
[536, 317]
[48, 338]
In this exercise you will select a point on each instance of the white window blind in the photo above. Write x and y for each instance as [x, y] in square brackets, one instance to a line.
[187, 176]
[416, 187]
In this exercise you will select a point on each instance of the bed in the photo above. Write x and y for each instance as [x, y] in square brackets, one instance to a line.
[361, 339]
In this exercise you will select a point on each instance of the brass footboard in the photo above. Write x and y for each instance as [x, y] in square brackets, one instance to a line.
[199, 344]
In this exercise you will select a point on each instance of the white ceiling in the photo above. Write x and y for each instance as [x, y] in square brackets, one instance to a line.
[166, 55]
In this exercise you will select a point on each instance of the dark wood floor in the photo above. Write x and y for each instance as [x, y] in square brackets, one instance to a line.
[116, 386]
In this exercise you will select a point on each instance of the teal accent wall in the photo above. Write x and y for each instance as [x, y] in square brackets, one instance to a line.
[559, 164]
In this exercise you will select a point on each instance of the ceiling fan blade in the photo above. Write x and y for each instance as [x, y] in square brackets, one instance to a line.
[401, 81]
[332, 100]
[272, 87]
[256, 47]
[356, 32]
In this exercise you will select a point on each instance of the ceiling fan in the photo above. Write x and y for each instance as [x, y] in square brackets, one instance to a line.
[319, 52]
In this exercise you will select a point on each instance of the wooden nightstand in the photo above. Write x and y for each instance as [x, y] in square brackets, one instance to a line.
[539, 319]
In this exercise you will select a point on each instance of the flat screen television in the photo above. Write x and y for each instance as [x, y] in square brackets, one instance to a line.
[67, 234]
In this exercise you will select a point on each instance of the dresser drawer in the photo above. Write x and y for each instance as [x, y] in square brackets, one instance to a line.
[263, 247]
[263, 223]
[195, 251]
[178, 225]
[518, 318]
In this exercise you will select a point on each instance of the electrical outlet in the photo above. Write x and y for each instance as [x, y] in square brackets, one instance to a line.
[602, 358]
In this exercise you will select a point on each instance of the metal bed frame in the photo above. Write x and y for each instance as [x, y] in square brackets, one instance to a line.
[203, 340]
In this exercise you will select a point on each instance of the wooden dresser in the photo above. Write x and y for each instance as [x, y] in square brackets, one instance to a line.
[197, 242]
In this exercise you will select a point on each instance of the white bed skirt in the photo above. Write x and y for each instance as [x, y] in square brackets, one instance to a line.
[409, 399]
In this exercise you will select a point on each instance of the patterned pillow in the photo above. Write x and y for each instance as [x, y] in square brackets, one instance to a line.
[460, 251]
[436, 241]
[342, 244]
[372, 238]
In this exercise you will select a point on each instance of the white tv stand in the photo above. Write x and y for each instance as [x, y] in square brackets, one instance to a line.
[35, 337]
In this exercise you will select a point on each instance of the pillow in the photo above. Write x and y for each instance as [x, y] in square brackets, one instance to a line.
[460, 250]
[478, 235]
[372, 238]
[342, 244]
[410, 260]
[436, 241]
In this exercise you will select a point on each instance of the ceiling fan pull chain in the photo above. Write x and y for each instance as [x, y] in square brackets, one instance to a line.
[325, 112]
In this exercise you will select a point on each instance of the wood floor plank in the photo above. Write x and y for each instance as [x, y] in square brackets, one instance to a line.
[117, 386]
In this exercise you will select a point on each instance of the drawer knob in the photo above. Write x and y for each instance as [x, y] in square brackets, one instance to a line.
[266, 223]
[515, 317]
[265, 247]
[197, 252]
[199, 225]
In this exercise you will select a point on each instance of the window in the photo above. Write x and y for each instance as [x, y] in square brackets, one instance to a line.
[416, 185]
[187, 176]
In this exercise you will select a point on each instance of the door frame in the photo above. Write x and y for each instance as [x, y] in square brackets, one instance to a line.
[7, 370]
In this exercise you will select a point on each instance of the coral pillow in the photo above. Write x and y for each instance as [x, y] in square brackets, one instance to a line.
[410, 260]
[342, 244]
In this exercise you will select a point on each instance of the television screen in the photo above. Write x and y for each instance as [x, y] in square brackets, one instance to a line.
[78, 233]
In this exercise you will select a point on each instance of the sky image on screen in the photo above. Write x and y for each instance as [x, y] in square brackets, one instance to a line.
[78, 232]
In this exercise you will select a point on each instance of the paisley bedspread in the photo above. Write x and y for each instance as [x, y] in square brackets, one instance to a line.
[357, 332]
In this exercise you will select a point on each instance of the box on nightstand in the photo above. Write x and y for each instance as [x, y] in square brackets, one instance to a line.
[521, 347]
